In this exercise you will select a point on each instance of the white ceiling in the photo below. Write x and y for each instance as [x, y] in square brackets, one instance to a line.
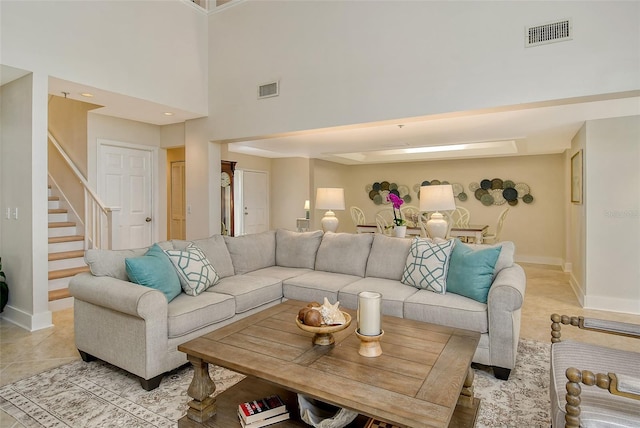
[541, 128]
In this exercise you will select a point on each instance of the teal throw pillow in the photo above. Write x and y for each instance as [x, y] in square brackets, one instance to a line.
[154, 270]
[471, 271]
[427, 264]
[195, 271]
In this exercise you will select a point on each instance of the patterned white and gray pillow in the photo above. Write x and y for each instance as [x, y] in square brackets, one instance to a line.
[195, 271]
[427, 264]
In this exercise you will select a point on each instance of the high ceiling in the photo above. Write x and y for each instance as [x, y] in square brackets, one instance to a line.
[541, 128]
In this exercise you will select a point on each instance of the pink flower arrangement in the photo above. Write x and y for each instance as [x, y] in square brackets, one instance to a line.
[396, 201]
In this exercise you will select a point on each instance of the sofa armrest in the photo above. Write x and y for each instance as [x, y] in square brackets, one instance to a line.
[505, 300]
[118, 295]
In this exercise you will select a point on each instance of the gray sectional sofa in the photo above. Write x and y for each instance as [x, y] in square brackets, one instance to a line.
[134, 327]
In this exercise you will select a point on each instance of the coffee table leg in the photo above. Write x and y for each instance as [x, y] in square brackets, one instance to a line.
[466, 395]
[203, 406]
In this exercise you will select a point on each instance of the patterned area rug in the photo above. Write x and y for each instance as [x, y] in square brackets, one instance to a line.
[99, 395]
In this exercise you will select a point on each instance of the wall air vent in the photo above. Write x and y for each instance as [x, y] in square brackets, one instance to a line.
[558, 31]
[269, 90]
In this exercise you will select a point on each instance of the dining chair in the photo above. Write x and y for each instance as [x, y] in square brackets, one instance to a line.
[495, 237]
[410, 214]
[383, 226]
[460, 217]
[386, 214]
[357, 216]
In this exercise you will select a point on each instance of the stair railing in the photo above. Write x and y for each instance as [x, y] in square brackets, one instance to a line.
[99, 220]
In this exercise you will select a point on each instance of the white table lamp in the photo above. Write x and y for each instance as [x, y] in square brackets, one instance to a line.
[330, 199]
[437, 198]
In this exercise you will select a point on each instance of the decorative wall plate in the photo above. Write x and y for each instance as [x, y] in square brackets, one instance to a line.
[501, 191]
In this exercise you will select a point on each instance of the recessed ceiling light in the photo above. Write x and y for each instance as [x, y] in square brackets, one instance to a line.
[86, 94]
[168, 113]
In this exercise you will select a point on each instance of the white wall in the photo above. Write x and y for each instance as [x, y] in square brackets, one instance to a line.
[575, 220]
[150, 50]
[348, 62]
[23, 180]
[612, 196]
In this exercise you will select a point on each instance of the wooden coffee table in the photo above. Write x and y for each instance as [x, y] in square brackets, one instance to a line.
[422, 379]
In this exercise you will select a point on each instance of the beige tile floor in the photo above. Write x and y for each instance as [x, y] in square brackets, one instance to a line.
[23, 354]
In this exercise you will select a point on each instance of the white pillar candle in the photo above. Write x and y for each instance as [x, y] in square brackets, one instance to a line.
[369, 309]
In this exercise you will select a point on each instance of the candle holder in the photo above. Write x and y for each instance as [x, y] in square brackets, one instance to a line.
[370, 345]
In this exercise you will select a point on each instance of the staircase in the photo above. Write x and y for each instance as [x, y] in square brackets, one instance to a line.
[66, 254]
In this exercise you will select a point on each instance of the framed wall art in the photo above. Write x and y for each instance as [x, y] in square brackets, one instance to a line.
[576, 177]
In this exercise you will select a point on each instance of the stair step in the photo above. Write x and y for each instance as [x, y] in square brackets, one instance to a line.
[71, 238]
[62, 293]
[54, 224]
[54, 198]
[63, 273]
[66, 255]
[57, 211]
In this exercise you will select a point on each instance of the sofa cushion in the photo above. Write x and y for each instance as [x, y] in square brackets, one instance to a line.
[471, 271]
[216, 251]
[249, 291]
[251, 252]
[316, 285]
[451, 310]
[154, 270]
[279, 272]
[111, 262]
[507, 254]
[187, 314]
[297, 249]
[597, 405]
[394, 293]
[427, 264]
[387, 257]
[344, 253]
[195, 272]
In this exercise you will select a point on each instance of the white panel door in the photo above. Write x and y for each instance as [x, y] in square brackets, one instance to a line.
[124, 180]
[255, 201]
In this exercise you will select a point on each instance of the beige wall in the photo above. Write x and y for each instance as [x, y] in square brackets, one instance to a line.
[290, 187]
[537, 228]
[68, 125]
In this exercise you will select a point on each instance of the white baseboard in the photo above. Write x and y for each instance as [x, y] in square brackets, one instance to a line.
[27, 321]
[612, 304]
[577, 290]
[539, 260]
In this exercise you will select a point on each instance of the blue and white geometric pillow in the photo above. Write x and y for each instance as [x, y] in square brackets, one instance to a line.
[427, 264]
[194, 269]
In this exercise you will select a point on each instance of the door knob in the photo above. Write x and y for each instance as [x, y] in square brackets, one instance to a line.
[148, 219]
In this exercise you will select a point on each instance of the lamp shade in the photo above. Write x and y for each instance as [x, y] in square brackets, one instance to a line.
[331, 198]
[437, 198]
[306, 204]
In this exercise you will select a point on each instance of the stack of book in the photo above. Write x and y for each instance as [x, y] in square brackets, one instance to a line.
[262, 412]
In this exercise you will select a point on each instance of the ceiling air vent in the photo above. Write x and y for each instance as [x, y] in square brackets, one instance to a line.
[269, 90]
[558, 31]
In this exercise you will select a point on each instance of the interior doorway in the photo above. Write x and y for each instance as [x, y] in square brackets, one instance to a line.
[252, 202]
[176, 199]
